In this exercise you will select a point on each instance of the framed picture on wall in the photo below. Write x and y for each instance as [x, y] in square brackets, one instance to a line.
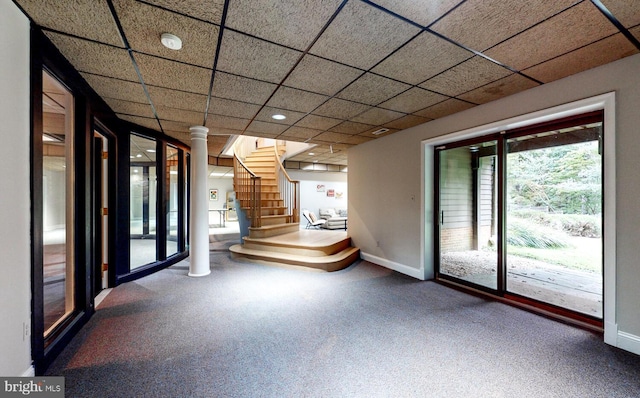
[320, 188]
[331, 193]
[213, 194]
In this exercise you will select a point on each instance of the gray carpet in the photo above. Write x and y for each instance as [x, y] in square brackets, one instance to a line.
[250, 330]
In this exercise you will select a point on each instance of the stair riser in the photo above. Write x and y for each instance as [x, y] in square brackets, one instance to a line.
[275, 220]
[301, 251]
[273, 231]
[335, 264]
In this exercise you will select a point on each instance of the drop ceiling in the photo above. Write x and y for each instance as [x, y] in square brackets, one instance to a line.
[339, 70]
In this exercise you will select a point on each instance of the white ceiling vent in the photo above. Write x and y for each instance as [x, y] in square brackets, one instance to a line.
[380, 131]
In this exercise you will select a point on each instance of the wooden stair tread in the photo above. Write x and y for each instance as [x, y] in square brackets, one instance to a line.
[306, 238]
[296, 257]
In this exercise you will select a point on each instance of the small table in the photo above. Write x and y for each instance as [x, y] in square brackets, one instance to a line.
[221, 213]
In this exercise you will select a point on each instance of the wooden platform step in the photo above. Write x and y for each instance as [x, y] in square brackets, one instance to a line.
[267, 231]
[324, 250]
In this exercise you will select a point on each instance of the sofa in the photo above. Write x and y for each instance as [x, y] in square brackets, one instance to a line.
[336, 218]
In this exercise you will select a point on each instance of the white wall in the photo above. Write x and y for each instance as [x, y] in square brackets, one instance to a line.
[15, 266]
[388, 227]
[223, 185]
[313, 200]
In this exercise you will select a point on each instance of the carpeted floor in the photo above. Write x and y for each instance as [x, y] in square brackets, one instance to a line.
[249, 330]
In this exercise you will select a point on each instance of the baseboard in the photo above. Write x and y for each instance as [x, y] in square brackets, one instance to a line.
[610, 332]
[629, 342]
[417, 273]
[31, 372]
[101, 296]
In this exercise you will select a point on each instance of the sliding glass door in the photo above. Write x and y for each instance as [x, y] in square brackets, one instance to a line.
[554, 217]
[520, 214]
[467, 213]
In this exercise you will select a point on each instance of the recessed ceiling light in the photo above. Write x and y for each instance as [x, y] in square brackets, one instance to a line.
[311, 153]
[151, 150]
[170, 41]
[139, 155]
[278, 117]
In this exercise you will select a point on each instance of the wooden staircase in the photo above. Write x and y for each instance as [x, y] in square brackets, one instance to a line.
[271, 200]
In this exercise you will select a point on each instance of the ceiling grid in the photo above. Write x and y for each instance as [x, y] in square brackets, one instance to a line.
[338, 69]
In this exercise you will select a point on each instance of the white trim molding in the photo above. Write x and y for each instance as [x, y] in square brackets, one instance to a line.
[417, 273]
[30, 372]
[605, 102]
[628, 342]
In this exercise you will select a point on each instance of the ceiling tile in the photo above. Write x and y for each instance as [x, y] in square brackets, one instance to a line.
[331, 137]
[255, 58]
[258, 126]
[480, 24]
[177, 126]
[261, 133]
[468, 75]
[599, 53]
[625, 11]
[130, 108]
[144, 24]
[177, 99]
[71, 17]
[377, 116]
[317, 122]
[357, 139]
[171, 74]
[241, 88]
[444, 108]
[180, 115]
[108, 87]
[304, 19]
[419, 11]
[227, 122]
[179, 135]
[565, 32]
[225, 107]
[296, 100]
[424, 57]
[362, 35]
[214, 130]
[351, 128]
[498, 89]
[412, 100]
[636, 32]
[321, 76]
[406, 122]
[340, 109]
[99, 59]
[368, 134]
[296, 133]
[151, 123]
[292, 117]
[208, 10]
[372, 89]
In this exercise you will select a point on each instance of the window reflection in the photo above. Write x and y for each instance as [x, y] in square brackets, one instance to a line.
[58, 202]
[143, 199]
[172, 201]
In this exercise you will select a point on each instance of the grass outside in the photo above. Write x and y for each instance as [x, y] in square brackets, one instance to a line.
[583, 254]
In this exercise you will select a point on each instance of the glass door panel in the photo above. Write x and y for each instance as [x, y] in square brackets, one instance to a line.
[467, 213]
[143, 201]
[554, 217]
[58, 203]
[172, 201]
